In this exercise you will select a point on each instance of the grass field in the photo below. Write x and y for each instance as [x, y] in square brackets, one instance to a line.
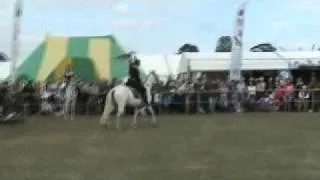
[223, 146]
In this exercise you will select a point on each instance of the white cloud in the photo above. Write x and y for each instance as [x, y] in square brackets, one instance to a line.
[143, 23]
[305, 5]
[95, 3]
[280, 24]
[121, 8]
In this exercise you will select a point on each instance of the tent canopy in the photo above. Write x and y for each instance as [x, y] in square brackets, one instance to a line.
[93, 58]
[82, 67]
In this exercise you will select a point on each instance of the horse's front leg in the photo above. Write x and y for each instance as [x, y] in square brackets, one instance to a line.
[153, 116]
[119, 114]
[65, 110]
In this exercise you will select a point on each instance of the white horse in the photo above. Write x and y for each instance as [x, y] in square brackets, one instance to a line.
[70, 100]
[122, 95]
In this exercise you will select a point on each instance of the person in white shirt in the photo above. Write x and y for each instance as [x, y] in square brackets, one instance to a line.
[252, 90]
[260, 88]
[303, 99]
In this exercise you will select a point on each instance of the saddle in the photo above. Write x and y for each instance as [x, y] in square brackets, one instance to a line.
[135, 92]
[130, 84]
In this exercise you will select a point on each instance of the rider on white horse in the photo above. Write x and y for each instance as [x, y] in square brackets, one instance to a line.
[134, 80]
[122, 95]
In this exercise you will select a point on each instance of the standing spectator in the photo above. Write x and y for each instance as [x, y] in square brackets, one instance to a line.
[241, 90]
[260, 87]
[5, 98]
[313, 81]
[289, 94]
[303, 99]
[223, 99]
[280, 94]
[299, 83]
[270, 86]
[277, 83]
[215, 86]
[251, 98]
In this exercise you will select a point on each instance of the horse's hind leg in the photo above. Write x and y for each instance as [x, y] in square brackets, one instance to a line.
[105, 120]
[119, 113]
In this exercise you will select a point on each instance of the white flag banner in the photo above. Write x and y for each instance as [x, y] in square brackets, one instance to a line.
[18, 8]
[236, 54]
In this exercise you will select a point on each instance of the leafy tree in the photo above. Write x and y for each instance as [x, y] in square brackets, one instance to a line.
[188, 48]
[224, 44]
[264, 47]
[3, 57]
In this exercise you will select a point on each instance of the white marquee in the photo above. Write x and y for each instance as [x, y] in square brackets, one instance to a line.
[251, 61]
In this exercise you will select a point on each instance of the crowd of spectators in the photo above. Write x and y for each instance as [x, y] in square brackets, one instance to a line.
[202, 95]
[251, 94]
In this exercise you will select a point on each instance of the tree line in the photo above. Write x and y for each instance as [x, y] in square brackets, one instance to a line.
[224, 44]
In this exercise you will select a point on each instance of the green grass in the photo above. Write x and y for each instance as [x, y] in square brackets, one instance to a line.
[223, 146]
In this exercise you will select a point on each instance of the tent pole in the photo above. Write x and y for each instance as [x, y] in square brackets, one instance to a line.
[15, 38]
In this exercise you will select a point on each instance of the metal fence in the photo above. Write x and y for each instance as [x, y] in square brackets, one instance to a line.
[212, 102]
[187, 102]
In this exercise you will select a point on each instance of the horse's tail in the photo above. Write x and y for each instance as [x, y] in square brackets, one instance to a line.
[113, 99]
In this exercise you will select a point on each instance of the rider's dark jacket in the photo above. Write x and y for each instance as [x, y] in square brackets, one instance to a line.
[135, 80]
[134, 73]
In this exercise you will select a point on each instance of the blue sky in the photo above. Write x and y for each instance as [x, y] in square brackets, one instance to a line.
[161, 26]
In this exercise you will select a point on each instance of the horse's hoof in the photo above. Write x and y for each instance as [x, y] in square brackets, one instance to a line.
[134, 126]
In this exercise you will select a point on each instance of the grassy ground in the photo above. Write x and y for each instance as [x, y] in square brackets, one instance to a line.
[224, 146]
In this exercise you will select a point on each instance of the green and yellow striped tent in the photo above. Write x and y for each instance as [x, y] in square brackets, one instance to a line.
[92, 58]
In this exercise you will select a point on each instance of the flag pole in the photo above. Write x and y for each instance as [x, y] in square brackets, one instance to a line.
[235, 72]
[15, 43]
[237, 45]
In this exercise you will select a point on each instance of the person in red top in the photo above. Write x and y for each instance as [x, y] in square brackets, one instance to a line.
[289, 96]
[280, 93]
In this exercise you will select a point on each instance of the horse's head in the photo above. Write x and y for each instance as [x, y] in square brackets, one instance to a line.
[152, 79]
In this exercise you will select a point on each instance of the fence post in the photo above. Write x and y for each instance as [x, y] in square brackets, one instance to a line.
[312, 101]
[158, 98]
